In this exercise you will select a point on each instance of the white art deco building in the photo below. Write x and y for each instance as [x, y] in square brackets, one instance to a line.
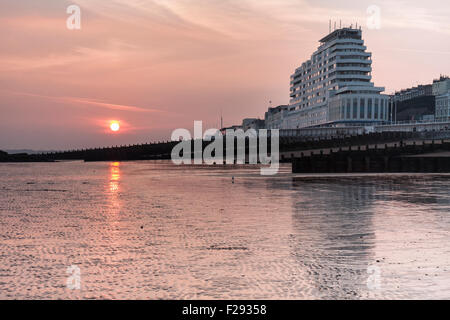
[334, 87]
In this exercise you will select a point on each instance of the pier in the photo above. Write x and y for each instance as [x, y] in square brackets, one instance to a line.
[411, 147]
[403, 156]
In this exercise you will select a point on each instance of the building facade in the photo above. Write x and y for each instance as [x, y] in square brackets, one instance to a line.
[414, 92]
[334, 87]
[414, 109]
[443, 107]
[441, 86]
[252, 123]
[274, 116]
[412, 104]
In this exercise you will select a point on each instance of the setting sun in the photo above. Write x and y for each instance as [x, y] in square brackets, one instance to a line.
[114, 126]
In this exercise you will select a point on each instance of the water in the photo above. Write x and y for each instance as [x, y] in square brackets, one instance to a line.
[150, 230]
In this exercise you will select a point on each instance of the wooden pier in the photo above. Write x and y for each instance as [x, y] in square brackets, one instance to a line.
[404, 156]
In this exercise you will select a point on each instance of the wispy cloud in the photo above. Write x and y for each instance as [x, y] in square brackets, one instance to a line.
[191, 58]
[77, 101]
[108, 105]
[420, 51]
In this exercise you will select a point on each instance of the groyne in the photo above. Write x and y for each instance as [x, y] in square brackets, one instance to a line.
[412, 156]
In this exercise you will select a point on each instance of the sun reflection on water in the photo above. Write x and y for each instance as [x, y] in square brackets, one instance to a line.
[114, 188]
[114, 169]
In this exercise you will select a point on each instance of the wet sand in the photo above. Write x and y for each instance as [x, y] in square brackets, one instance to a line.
[150, 230]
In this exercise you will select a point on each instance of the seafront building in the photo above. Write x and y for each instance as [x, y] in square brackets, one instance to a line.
[421, 103]
[414, 92]
[441, 86]
[441, 89]
[273, 118]
[252, 123]
[334, 87]
[413, 104]
[443, 107]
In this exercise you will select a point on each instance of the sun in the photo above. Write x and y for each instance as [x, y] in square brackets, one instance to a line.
[114, 126]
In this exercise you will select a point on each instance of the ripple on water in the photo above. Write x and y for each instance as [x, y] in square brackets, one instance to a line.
[149, 230]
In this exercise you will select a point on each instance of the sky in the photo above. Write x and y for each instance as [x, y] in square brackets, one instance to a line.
[158, 65]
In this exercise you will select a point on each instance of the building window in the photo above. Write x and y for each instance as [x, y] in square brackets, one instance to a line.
[362, 108]
[382, 109]
[386, 110]
[343, 109]
[376, 109]
[348, 108]
[369, 108]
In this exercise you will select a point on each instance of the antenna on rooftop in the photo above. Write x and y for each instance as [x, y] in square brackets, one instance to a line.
[335, 25]
[329, 27]
[340, 24]
[356, 25]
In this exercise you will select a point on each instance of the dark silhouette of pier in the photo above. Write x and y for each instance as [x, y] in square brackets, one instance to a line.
[147, 151]
[369, 152]
[409, 154]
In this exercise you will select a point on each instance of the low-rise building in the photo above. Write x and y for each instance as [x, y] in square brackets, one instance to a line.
[252, 123]
[414, 92]
[234, 128]
[413, 104]
[273, 118]
[413, 109]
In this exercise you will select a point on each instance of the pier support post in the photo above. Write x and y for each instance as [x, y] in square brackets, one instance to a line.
[386, 163]
[367, 163]
[349, 164]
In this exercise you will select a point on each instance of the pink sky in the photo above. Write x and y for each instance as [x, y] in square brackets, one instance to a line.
[159, 65]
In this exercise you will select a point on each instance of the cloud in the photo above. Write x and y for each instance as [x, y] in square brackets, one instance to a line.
[191, 58]
[91, 102]
[108, 105]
